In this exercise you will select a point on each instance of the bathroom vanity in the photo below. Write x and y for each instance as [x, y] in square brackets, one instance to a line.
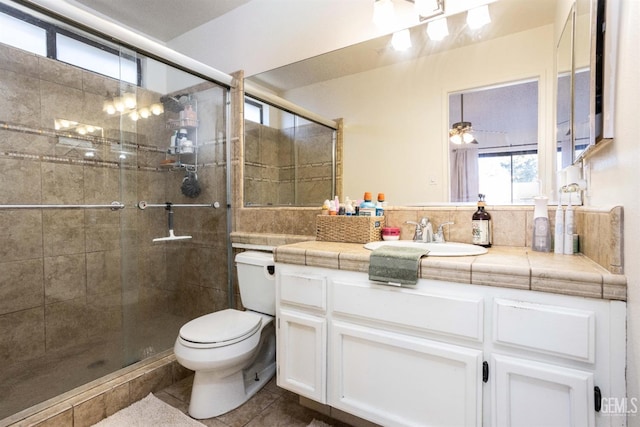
[455, 351]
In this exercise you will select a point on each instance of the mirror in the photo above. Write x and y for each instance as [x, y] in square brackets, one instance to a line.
[587, 75]
[395, 104]
[288, 161]
[564, 94]
[502, 159]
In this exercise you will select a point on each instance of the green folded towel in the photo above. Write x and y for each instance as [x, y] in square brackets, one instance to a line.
[395, 264]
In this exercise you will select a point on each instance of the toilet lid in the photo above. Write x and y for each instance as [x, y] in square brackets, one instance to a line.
[221, 326]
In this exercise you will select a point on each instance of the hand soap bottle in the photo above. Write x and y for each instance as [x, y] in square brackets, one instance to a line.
[481, 225]
[541, 241]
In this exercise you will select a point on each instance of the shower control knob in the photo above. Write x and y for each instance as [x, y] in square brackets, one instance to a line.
[216, 205]
[142, 204]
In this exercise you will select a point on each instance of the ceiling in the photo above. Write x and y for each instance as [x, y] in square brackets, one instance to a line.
[162, 19]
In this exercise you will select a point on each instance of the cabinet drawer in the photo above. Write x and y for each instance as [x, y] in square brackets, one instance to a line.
[307, 290]
[560, 331]
[442, 314]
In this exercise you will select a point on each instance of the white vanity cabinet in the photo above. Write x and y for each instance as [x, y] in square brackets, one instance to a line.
[301, 346]
[448, 354]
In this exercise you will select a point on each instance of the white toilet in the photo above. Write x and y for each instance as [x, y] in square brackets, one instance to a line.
[232, 352]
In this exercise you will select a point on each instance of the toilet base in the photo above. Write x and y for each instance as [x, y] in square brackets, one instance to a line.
[212, 396]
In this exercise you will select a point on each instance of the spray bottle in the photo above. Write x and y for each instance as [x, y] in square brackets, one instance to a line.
[541, 241]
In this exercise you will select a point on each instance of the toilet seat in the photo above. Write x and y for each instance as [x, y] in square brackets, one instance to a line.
[220, 329]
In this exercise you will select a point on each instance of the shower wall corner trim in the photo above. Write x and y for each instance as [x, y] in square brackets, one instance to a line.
[131, 38]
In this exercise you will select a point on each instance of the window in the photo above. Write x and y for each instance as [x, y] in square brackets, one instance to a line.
[509, 177]
[23, 35]
[26, 32]
[253, 111]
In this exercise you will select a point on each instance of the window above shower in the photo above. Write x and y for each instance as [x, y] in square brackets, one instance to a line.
[27, 32]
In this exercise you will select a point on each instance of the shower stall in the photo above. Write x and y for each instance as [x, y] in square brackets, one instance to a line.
[98, 144]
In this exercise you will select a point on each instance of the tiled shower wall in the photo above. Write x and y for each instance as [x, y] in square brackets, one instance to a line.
[291, 166]
[70, 276]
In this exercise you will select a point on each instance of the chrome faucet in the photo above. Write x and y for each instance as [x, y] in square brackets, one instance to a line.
[424, 230]
[439, 236]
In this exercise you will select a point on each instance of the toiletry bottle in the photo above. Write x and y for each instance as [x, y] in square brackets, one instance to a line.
[367, 208]
[325, 207]
[541, 241]
[481, 225]
[380, 205]
[558, 236]
[569, 230]
[348, 207]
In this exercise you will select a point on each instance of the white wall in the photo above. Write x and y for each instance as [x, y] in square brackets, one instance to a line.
[396, 120]
[615, 179]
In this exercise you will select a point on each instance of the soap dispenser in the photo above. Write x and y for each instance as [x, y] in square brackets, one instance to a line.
[541, 241]
[481, 225]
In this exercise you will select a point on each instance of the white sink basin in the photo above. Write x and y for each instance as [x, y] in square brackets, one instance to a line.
[435, 249]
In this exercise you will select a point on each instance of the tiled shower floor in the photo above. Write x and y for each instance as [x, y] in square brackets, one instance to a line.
[24, 384]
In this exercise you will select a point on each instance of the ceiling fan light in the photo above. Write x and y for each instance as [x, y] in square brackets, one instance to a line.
[478, 17]
[401, 40]
[467, 137]
[456, 139]
[438, 29]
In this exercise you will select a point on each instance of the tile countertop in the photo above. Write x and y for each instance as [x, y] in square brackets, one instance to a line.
[503, 266]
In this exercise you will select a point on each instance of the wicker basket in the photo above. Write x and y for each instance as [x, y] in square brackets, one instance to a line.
[348, 229]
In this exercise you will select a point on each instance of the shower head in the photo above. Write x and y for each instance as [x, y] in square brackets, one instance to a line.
[171, 237]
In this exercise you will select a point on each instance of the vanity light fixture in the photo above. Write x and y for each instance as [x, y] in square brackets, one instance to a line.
[384, 15]
[401, 40]
[478, 17]
[438, 29]
[127, 105]
[460, 132]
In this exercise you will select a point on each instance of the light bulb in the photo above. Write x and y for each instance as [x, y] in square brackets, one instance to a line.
[401, 40]
[144, 112]
[130, 100]
[467, 137]
[438, 29]
[456, 139]
[134, 116]
[157, 109]
[119, 104]
[478, 17]
[383, 13]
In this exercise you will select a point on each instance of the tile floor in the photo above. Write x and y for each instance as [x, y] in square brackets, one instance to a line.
[271, 406]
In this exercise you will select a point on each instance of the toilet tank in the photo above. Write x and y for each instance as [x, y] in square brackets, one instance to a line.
[257, 281]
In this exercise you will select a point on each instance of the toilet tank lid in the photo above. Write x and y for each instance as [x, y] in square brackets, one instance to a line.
[255, 258]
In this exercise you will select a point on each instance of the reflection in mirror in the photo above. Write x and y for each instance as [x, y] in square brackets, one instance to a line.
[395, 104]
[503, 160]
[564, 95]
[289, 161]
[587, 53]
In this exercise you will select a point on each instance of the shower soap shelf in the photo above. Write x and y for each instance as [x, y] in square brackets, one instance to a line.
[175, 124]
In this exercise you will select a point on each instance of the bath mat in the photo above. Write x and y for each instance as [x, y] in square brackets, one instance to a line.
[149, 412]
[318, 423]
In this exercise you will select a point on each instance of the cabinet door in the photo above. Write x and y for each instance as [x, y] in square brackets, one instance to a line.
[400, 380]
[527, 393]
[301, 354]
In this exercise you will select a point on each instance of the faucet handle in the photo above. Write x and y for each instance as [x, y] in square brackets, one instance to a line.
[440, 229]
[439, 236]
